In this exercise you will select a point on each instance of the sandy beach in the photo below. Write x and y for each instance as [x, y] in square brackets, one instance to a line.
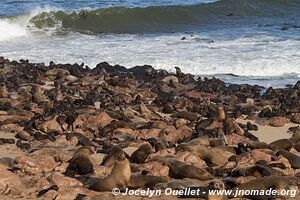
[270, 134]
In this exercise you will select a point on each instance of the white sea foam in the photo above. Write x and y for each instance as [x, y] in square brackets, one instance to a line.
[249, 56]
[267, 52]
[10, 29]
[14, 27]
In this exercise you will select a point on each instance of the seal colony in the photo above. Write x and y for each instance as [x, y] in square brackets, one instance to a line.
[73, 128]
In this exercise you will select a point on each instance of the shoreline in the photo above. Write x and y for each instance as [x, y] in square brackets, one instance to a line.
[47, 113]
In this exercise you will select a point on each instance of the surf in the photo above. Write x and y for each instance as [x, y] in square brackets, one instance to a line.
[10, 30]
[140, 20]
[161, 18]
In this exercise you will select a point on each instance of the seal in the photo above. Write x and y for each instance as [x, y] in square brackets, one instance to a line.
[216, 185]
[80, 163]
[159, 144]
[265, 183]
[6, 141]
[119, 177]
[44, 191]
[180, 170]
[297, 146]
[186, 115]
[197, 142]
[296, 136]
[38, 94]
[141, 154]
[257, 145]
[83, 140]
[237, 158]
[251, 170]
[293, 158]
[250, 136]
[213, 185]
[241, 148]
[278, 165]
[40, 136]
[61, 120]
[23, 135]
[229, 126]
[142, 181]
[221, 113]
[3, 91]
[211, 156]
[281, 144]
[23, 146]
[113, 154]
[71, 116]
[252, 127]
[222, 137]
[7, 162]
[114, 125]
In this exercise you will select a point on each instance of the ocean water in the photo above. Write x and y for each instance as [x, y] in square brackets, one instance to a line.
[239, 41]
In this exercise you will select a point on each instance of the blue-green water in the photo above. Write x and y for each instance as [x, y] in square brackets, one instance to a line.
[15, 7]
[259, 40]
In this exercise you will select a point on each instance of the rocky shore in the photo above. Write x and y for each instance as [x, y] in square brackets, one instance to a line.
[70, 132]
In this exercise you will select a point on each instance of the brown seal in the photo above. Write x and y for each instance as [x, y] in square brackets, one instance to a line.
[119, 177]
[221, 113]
[251, 170]
[265, 183]
[7, 162]
[40, 136]
[281, 144]
[241, 148]
[145, 181]
[197, 142]
[297, 146]
[186, 115]
[44, 191]
[180, 170]
[211, 156]
[3, 91]
[80, 163]
[216, 185]
[257, 145]
[213, 185]
[7, 141]
[159, 144]
[293, 158]
[113, 154]
[296, 136]
[38, 94]
[23, 146]
[141, 154]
